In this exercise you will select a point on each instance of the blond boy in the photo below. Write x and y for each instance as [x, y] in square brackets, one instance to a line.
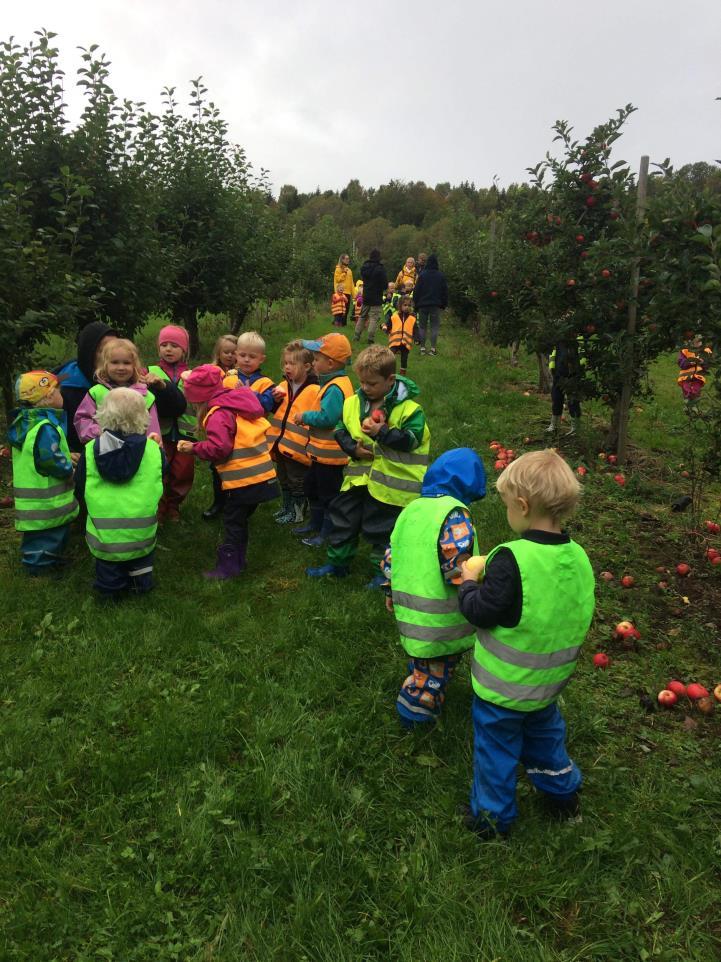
[249, 356]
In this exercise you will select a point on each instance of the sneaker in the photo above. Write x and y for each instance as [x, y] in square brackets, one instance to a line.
[433, 352]
[315, 542]
[306, 530]
[423, 350]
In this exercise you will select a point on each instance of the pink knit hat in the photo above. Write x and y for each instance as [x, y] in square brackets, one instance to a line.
[202, 383]
[173, 334]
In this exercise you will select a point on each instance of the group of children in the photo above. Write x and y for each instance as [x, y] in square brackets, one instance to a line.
[360, 458]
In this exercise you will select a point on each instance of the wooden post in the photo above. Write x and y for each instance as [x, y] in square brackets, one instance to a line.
[630, 357]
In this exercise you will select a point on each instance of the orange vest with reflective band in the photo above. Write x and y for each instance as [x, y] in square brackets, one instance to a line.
[695, 373]
[322, 446]
[292, 438]
[337, 304]
[232, 380]
[249, 461]
[401, 331]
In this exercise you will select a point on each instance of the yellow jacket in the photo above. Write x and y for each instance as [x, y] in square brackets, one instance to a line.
[344, 276]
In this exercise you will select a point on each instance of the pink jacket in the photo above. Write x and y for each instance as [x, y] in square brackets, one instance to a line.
[88, 428]
[220, 427]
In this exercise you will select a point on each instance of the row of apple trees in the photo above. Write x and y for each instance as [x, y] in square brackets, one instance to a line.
[577, 256]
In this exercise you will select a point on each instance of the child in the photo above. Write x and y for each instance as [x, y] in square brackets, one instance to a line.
[693, 366]
[236, 443]
[119, 367]
[249, 355]
[327, 461]
[358, 305]
[430, 538]
[42, 471]
[390, 300]
[223, 356]
[343, 276]
[338, 306]
[173, 345]
[401, 332]
[76, 377]
[566, 363]
[533, 609]
[224, 349]
[296, 394]
[388, 454]
[121, 476]
[407, 275]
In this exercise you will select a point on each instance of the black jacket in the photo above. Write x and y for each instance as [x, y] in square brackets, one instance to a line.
[375, 282]
[431, 288]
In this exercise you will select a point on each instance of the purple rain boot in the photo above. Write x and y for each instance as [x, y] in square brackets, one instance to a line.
[228, 564]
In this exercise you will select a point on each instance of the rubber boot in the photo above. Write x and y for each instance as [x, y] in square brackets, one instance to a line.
[284, 508]
[554, 425]
[575, 427]
[312, 525]
[297, 510]
[228, 563]
[320, 539]
[335, 571]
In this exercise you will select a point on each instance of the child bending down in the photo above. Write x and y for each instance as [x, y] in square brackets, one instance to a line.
[532, 609]
[430, 539]
[236, 443]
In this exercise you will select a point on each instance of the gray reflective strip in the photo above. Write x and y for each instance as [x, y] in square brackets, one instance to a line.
[526, 659]
[325, 434]
[118, 547]
[276, 423]
[45, 514]
[140, 571]
[123, 523]
[513, 690]
[432, 633]
[252, 472]
[240, 453]
[355, 470]
[402, 457]
[50, 492]
[286, 442]
[397, 483]
[428, 606]
[297, 429]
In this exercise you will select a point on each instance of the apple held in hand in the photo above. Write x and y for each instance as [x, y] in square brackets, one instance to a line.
[475, 565]
[378, 416]
[666, 698]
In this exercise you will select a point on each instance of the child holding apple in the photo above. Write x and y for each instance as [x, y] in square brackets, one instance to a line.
[532, 609]
[431, 537]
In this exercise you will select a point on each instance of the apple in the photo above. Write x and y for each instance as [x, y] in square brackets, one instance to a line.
[625, 629]
[475, 566]
[378, 416]
[494, 293]
[612, 459]
[581, 471]
[667, 698]
[584, 254]
[5, 452]
[526, 440]
[619, 479]
[662, 585]
[712, 553]
[661, 570]
[677, 687]
[605, 273]
[706, 705]
[695, 691]
[711, 526]
[683, 570]
[580, 238]
[601, 455]
[570, 282]
[6, 502]
[607, 575]
[716, 560]
[500, 465]
[685, 474]
[591, 201]
[627, 581]
[510, 454]
[601, 660]
[717, 692]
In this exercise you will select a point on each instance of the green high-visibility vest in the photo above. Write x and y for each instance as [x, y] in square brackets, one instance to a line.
[393, 477]
[98, 391]
[41, 502]
[187, 422]
[123, 516]
[425, 605]
[527, 667]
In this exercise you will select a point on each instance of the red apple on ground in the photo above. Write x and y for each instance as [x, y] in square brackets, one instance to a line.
[601, 660]
[612, 459]
[581, 471]
[590, 328]
[607, 576]
[627, 581]
[625, 629]
[712, 527]
[677, 687]
[6, 502]
[499, 465]
[580, 238]
[571, 282]
[695, 691]
[712, 553]
[666, 698]
[494, 293]
[619, 479]
[605, 273]
[683, 570]
[662, 585]
[706, 705]
[716, 560]
[591, 201]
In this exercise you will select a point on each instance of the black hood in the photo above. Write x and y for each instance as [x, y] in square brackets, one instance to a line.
[118, 455]
[88, 339]
[432, 263]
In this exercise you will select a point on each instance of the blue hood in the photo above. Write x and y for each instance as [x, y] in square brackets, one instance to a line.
[458, 473]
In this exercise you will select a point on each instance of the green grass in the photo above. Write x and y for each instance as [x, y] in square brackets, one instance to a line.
[216, 772]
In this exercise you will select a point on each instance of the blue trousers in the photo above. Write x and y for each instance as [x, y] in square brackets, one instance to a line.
[501, 739]
[112, 578]
[43, 550]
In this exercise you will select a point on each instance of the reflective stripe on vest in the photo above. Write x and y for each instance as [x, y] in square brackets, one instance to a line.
[41, 502]
[322, 445]
[397, 476]
[525, 668]
[233, 379]
[425, 605]
[187, 422]
[401, 332]
[291, 438]
[113, 538]
[249, 462]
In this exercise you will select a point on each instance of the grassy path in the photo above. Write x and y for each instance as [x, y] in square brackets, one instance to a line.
[216, 772]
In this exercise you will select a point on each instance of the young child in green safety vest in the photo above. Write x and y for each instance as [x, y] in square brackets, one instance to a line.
[120, 475]
[384, 433]
[532, 608]
[43, 486]
[422, 567]
[177, 419]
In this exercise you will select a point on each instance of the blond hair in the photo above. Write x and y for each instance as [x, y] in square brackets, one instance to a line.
[545, 480]
[375, 359]
[296, 350]
[251, 341]
[124, 410]
[215, 356]
[101, 371]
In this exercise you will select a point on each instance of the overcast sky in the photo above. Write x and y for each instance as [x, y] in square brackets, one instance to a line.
[320, 93]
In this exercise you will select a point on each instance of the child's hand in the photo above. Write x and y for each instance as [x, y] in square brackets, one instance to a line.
[472, 569]
[185, 447]
[279, 393]
[75, 457]
[389, 603]
[298, 418]
[362, 453]
[155, 437]
[371, 427]
[151, 379]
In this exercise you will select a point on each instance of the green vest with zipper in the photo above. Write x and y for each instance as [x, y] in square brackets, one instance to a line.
[425, 605]
[114, 538]
[187, 422]
[393, 477]
[41, 502]
[527, 667]
[98, 391]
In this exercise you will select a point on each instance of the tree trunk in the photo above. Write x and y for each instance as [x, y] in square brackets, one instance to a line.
[544, 375]
[6, 387]
[611, 442]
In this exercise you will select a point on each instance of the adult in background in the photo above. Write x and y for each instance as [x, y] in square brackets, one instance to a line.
[430, 298]
[421, 262]
[77, 377]
[375, 282]
[407, 275]
[343, 277]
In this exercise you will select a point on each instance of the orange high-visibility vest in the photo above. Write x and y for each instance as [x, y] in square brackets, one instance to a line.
[249, 461]
[322, 446]
[292, 438]
[338, 304]
[695, 373]
[401, 331]
[232, 380]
